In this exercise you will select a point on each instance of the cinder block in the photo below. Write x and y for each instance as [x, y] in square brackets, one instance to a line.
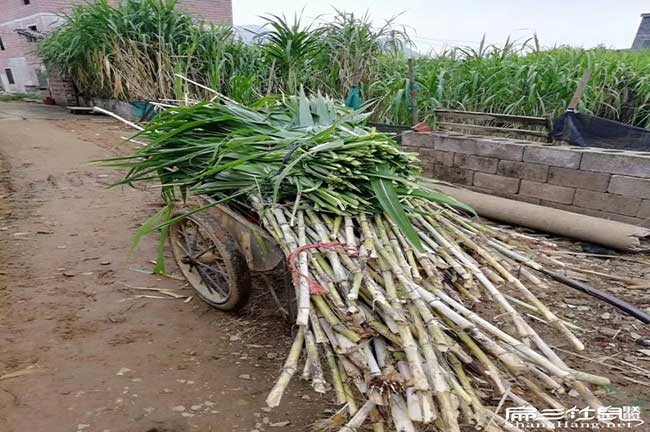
[579, 179]
[476, 163]
[500, 150]
[595, 213]
[630, 186]
[548, 192]
[496, 183]
[553, 156]
[607, 202]
[444, 158]
[523, 170]
[616, 163]
[414, 140]
[644, 210]
[455, 143]
[480, 147]
[453, 174]
[426, 152]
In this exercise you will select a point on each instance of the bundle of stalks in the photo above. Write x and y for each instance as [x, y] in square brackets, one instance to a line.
[395, 326]
[392, 279]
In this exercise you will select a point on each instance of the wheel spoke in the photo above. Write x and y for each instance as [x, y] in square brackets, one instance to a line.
[194, 244]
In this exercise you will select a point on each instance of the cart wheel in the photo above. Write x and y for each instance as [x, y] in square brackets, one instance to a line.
[211, 261]
[285, 296]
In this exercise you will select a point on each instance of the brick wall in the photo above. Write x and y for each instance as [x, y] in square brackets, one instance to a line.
[19, 54]
[612, 184]
[62, 90]
[208, 10]
[218, 11]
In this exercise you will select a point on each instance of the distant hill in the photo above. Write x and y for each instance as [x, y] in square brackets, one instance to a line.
[248, 32]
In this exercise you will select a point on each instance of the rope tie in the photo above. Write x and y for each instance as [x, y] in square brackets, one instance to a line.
[314, 287]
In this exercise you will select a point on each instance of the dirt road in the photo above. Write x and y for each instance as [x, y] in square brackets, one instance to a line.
[96, 357]
[79, 351]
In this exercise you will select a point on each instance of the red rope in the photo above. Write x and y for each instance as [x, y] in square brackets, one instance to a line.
[314, 287]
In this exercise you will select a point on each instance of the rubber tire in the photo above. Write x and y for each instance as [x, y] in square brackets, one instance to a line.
[233, 260]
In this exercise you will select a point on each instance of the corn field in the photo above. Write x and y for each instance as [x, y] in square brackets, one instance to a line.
[132, 51]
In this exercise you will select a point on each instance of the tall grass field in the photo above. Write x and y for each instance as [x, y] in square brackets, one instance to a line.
[134, 50]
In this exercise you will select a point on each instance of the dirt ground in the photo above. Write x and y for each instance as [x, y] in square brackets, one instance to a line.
[88, 354]
[99, 358]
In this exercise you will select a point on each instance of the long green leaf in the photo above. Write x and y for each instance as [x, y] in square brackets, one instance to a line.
[390, 203]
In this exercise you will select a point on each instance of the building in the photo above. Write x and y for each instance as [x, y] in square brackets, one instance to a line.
[642, 39]
[22, 22]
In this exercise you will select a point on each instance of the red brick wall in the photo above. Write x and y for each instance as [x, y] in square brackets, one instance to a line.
[19, 53]
[62, 90]
[12, 9]
[208, 10]
[218, 11]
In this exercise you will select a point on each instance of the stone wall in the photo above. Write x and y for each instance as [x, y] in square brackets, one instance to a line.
[611, 184]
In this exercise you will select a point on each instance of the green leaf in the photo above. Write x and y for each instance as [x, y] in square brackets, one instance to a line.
[390, 203]
[150, 225]
[305, 118]
[432, 196]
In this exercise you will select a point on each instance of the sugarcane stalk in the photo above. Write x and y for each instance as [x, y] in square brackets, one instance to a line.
[319, 334]
[399, 412]
[517, 345]
[546, 313]
[333, 320]
[316, 371]
[367, 248]
[289, 369]
[359, 418]
[350, 239]
[438, 379]
[336, 226]
[335, 376]
[302, 318]
[340, 275]
[376, 421]
[347, 390]
[306, 370]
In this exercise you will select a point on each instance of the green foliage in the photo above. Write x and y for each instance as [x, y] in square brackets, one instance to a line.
[299, 149]
[538, 83]
[18, 97]
[132, 51]
[292, 49]
[353, 47]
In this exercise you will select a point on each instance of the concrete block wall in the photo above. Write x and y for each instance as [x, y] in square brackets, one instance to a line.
[611, 184]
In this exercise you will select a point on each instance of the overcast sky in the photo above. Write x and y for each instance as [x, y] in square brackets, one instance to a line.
[436, 23]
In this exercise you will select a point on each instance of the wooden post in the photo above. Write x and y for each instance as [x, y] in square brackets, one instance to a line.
[549, 127]
[582, 84]
[412, 95]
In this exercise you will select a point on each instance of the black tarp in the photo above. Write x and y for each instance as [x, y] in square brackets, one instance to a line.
[589, 131]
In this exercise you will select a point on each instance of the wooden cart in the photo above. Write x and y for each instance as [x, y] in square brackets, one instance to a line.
[219, 251]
